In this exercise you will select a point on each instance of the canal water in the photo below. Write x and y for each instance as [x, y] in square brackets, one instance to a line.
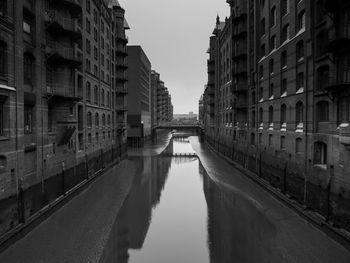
[164, 217]
[175, 213]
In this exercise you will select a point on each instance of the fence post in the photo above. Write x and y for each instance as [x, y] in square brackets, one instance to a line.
[260, 165]
[20, 205]
[285, 178]
[329, 186]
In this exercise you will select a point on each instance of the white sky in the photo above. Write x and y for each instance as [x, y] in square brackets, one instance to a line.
[175, 36]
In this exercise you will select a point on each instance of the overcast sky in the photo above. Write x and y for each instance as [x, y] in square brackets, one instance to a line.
[175, 37]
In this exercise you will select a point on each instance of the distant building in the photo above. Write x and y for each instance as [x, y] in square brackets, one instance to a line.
[139, 96]
[190, 118]
[200, 110]
[161, 105]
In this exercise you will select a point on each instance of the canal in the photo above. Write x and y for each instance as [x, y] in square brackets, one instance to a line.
[153, 208]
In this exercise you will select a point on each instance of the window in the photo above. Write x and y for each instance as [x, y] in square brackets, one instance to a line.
[89, 119]
[252, 119]
[273, 43]
[88, 6]
[298, 146]
[299, 113]
[285, 33]
[88, 26]
[262, 3]
[97, 120]
[261, 93]
[344, 110]
[322, 78]
[27, 26]
[96, 94]
[284, 87]
[283, 143]
[88, 46]
[3, 7]
[321, 42]
[270, 140]
[271, 115]
[262, 26]
[301, 20]
[102, 97]
[88, 65]
[252, 138]
[3, 60]
[284, 7]
[300, 81]
[103, 119]
[28, 68]
[95, 16]
[263, 50]
[89, 138]
[283, 115]
[273, 17]
[271, 66]
[109, 119]
[97, 136]
[28, 118]
[108, 99]
[2, 118]
[284, 59]
[95, 53]
[300, 50]
[95, 34]
[271, 90]
[322, 111]
[320, 153]
[261, 71]
[88, 91]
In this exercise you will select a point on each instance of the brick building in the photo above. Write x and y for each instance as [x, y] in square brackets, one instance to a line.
[290, 98]
[62, 86]
[139, 92]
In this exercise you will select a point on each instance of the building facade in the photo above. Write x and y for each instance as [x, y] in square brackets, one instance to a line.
[290, 98]
[59, 102]
[162, 107]
[139, 92]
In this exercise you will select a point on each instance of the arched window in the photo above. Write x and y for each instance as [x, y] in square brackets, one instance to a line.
[271, 66]
[108, 99]
[261, 93]
[88, 91]
[320, 153]
[253, 119]
[321, 42]
[271, 90]
[299, 113]
[283, 115]
[300, 50]
[109, 119]
[322, 111]
[261, 116]
[298, 145]
[103, 119]
[283, 142]
[300, 81]
[96, 95]
[271, 115]
[3, 60]
[102, 97]
[97, 121]
[273, 17]
[89, 119]
[301, 20]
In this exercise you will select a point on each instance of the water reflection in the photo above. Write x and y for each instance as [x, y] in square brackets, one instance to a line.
[237, 231]
[196, 220]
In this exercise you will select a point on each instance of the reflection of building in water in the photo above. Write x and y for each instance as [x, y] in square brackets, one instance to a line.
[133, 220]
[237, 230]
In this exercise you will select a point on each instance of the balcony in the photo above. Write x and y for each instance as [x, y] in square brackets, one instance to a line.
[339, 40]
[121, 108]
[121, 79]
[60, 55]
[121, 91]
[121, 66]
[57, 23]
[340, 81]
[56, 93]
[121, 53]
[74, 6]
[123, 40]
